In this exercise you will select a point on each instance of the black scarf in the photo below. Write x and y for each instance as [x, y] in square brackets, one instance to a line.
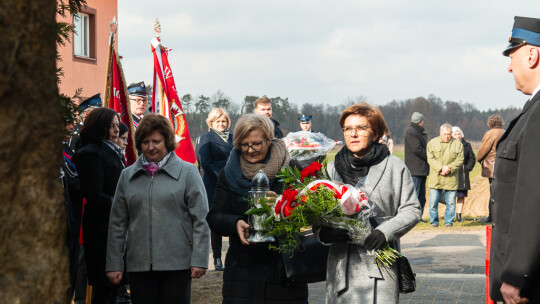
[351, 168]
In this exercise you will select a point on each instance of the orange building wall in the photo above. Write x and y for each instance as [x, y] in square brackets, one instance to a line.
[89, 74]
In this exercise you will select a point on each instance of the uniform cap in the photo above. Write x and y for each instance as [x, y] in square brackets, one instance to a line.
[137, 89]
[92, 102]
[525, 31]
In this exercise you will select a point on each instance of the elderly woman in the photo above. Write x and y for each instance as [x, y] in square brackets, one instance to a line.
[469, 160]
[99, 162]
[161, 201]
[212, 154]
[353, 276]
[251, 269]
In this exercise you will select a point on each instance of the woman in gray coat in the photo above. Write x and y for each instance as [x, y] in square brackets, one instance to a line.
[353, 276]
[161, 201]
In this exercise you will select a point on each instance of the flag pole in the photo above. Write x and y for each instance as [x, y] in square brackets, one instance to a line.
[113, 26]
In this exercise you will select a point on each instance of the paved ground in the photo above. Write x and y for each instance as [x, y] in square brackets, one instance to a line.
[449, 268]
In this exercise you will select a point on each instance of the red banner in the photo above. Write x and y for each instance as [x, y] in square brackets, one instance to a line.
[118, 101]
[169, 104]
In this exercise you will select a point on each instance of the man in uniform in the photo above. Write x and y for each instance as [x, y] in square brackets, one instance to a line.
[138, 101]
[305, 122]
[85, 108]
[263, 106]
[515, 246]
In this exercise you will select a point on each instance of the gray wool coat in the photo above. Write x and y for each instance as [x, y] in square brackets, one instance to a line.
[160, 221]
[352, 275]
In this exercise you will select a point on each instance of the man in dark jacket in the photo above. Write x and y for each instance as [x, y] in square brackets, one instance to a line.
[415, 155]
[263, 106]
[515, 256]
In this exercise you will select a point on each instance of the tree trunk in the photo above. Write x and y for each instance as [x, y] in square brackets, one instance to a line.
[33, 254]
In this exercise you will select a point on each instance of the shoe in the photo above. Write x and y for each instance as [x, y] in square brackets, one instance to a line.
[459, 218]
[433, 225]
[448, 225]
[423, 221]
[218, 264]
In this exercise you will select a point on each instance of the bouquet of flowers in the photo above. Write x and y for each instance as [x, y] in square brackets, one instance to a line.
[306, 145]
[310, 198]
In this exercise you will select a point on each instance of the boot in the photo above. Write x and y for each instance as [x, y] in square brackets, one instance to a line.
[218, 264]
[459, 219]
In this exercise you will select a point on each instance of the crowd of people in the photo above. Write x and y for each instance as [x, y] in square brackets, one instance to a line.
[151, 225]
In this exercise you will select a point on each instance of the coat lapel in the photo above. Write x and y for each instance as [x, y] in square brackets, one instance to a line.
[512, 124]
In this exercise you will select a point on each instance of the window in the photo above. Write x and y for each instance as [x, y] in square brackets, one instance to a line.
[81, 35]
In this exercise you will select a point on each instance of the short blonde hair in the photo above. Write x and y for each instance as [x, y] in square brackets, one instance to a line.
[216, 113]
[251, 122]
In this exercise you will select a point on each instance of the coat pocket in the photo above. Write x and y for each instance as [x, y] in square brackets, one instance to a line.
[509, 151]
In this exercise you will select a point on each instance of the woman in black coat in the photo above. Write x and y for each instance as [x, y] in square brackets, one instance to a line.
[99, 162]
[251, 269]
[212, 153]
[469, 160]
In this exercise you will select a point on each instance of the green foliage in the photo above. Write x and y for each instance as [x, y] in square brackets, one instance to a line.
[318, 203]
[63, 31]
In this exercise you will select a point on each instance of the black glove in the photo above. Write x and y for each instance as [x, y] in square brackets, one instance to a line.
[333, 235]
[375, 240]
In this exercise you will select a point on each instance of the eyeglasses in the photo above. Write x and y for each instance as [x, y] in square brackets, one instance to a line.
[138, 100]
[255, 146]
[358, 129]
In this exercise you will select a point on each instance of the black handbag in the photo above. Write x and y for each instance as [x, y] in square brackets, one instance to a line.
[406, 276]
[308, 262]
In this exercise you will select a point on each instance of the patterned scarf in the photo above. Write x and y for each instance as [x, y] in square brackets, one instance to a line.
[153, 167]
[240, 172]
[117, 150]
[224, 135]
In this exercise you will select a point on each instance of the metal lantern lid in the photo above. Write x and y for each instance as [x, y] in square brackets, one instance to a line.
[260, 182]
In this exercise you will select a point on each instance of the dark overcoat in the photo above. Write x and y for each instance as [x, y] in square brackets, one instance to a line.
[277, 131]
[415, 150]
[212, 155]
[515, 192]
[469, 160]
[99, 168]
[251, 272]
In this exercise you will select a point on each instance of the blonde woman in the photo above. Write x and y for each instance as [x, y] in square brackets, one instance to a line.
[212, 153]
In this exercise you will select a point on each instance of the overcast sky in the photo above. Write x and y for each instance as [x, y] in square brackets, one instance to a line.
[327, 51]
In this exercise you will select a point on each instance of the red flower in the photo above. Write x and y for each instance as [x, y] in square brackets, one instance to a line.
[287, 210]
[289, 195]
[310, 170]
[277, 209]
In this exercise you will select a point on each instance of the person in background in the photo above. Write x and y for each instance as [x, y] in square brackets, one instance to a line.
[514, 274]
[122, 136]
[99, 163]
[213, 152]
[84, 108]
[263, 106]
[353, 275]
[305, 123]
[445, 156]
[487, 151]
[160, 200]
[469, 159]
[387, 140]
[416, 157]
[251, 269]
[138, 101]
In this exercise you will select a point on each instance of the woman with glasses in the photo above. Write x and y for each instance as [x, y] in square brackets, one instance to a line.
[251, 269]
[352, 275]
[212, 153]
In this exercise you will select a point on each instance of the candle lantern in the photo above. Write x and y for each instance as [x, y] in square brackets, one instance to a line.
[260, 186]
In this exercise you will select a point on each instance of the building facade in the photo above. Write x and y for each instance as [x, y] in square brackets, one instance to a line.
[84, 57]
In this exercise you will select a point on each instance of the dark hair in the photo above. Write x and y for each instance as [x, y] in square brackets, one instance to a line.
[96, 125]
[151, 123]
[123, 128]
[371, 113]
[495, 121]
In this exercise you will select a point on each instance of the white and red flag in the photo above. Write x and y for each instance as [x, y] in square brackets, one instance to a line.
[165, 102]
[118, 101]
